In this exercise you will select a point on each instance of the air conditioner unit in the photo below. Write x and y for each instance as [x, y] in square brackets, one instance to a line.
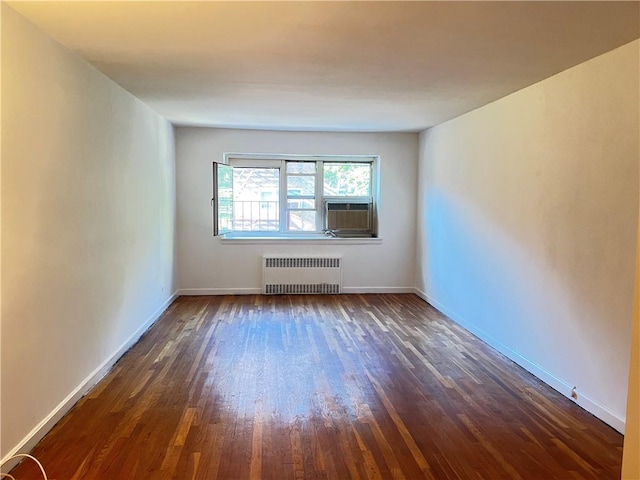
[349, 218]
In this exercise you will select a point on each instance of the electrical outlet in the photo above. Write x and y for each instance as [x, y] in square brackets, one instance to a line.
[574, 393]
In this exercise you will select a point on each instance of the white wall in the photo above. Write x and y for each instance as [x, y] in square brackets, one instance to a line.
[527, 226]
[207, 265]
[88, 226]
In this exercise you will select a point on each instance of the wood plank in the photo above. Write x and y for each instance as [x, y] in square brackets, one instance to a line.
[321, 387]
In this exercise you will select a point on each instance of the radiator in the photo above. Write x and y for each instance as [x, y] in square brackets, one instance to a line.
[284, 275]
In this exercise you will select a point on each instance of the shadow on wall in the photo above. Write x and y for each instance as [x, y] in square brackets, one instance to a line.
[88, 249]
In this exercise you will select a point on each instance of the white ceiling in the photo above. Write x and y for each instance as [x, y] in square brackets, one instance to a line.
[336, 66]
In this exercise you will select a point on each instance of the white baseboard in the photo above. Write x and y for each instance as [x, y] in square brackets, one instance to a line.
[562, 386]
[220, 291]
[378, 290]
[34, 436]
[257, 291]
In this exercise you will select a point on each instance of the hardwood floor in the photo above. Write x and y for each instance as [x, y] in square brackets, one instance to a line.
[321, 387]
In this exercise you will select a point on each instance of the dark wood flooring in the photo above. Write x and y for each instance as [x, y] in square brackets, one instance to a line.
[321, 387]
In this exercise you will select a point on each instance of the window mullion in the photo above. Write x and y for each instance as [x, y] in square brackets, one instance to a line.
[283, 197]
[319, 195]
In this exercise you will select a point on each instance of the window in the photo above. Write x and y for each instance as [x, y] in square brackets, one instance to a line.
[255, 199]
[301, 211]
[298, 195]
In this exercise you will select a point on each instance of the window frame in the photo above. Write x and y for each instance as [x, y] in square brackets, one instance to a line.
[279, 161]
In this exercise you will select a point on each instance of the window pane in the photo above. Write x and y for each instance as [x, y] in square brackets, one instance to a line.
[347, 179]
[224, 198]
[301, 186]
[308, 203]
[256, 206]
[302, 221]
[301, 167]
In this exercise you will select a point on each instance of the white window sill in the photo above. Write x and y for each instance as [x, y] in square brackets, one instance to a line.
[239, 239]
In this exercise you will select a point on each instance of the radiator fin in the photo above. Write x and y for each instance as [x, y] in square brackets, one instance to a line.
[302, 262]
[317, 289]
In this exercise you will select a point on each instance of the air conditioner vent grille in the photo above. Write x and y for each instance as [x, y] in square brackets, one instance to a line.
[363, 207]
[344, 217]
